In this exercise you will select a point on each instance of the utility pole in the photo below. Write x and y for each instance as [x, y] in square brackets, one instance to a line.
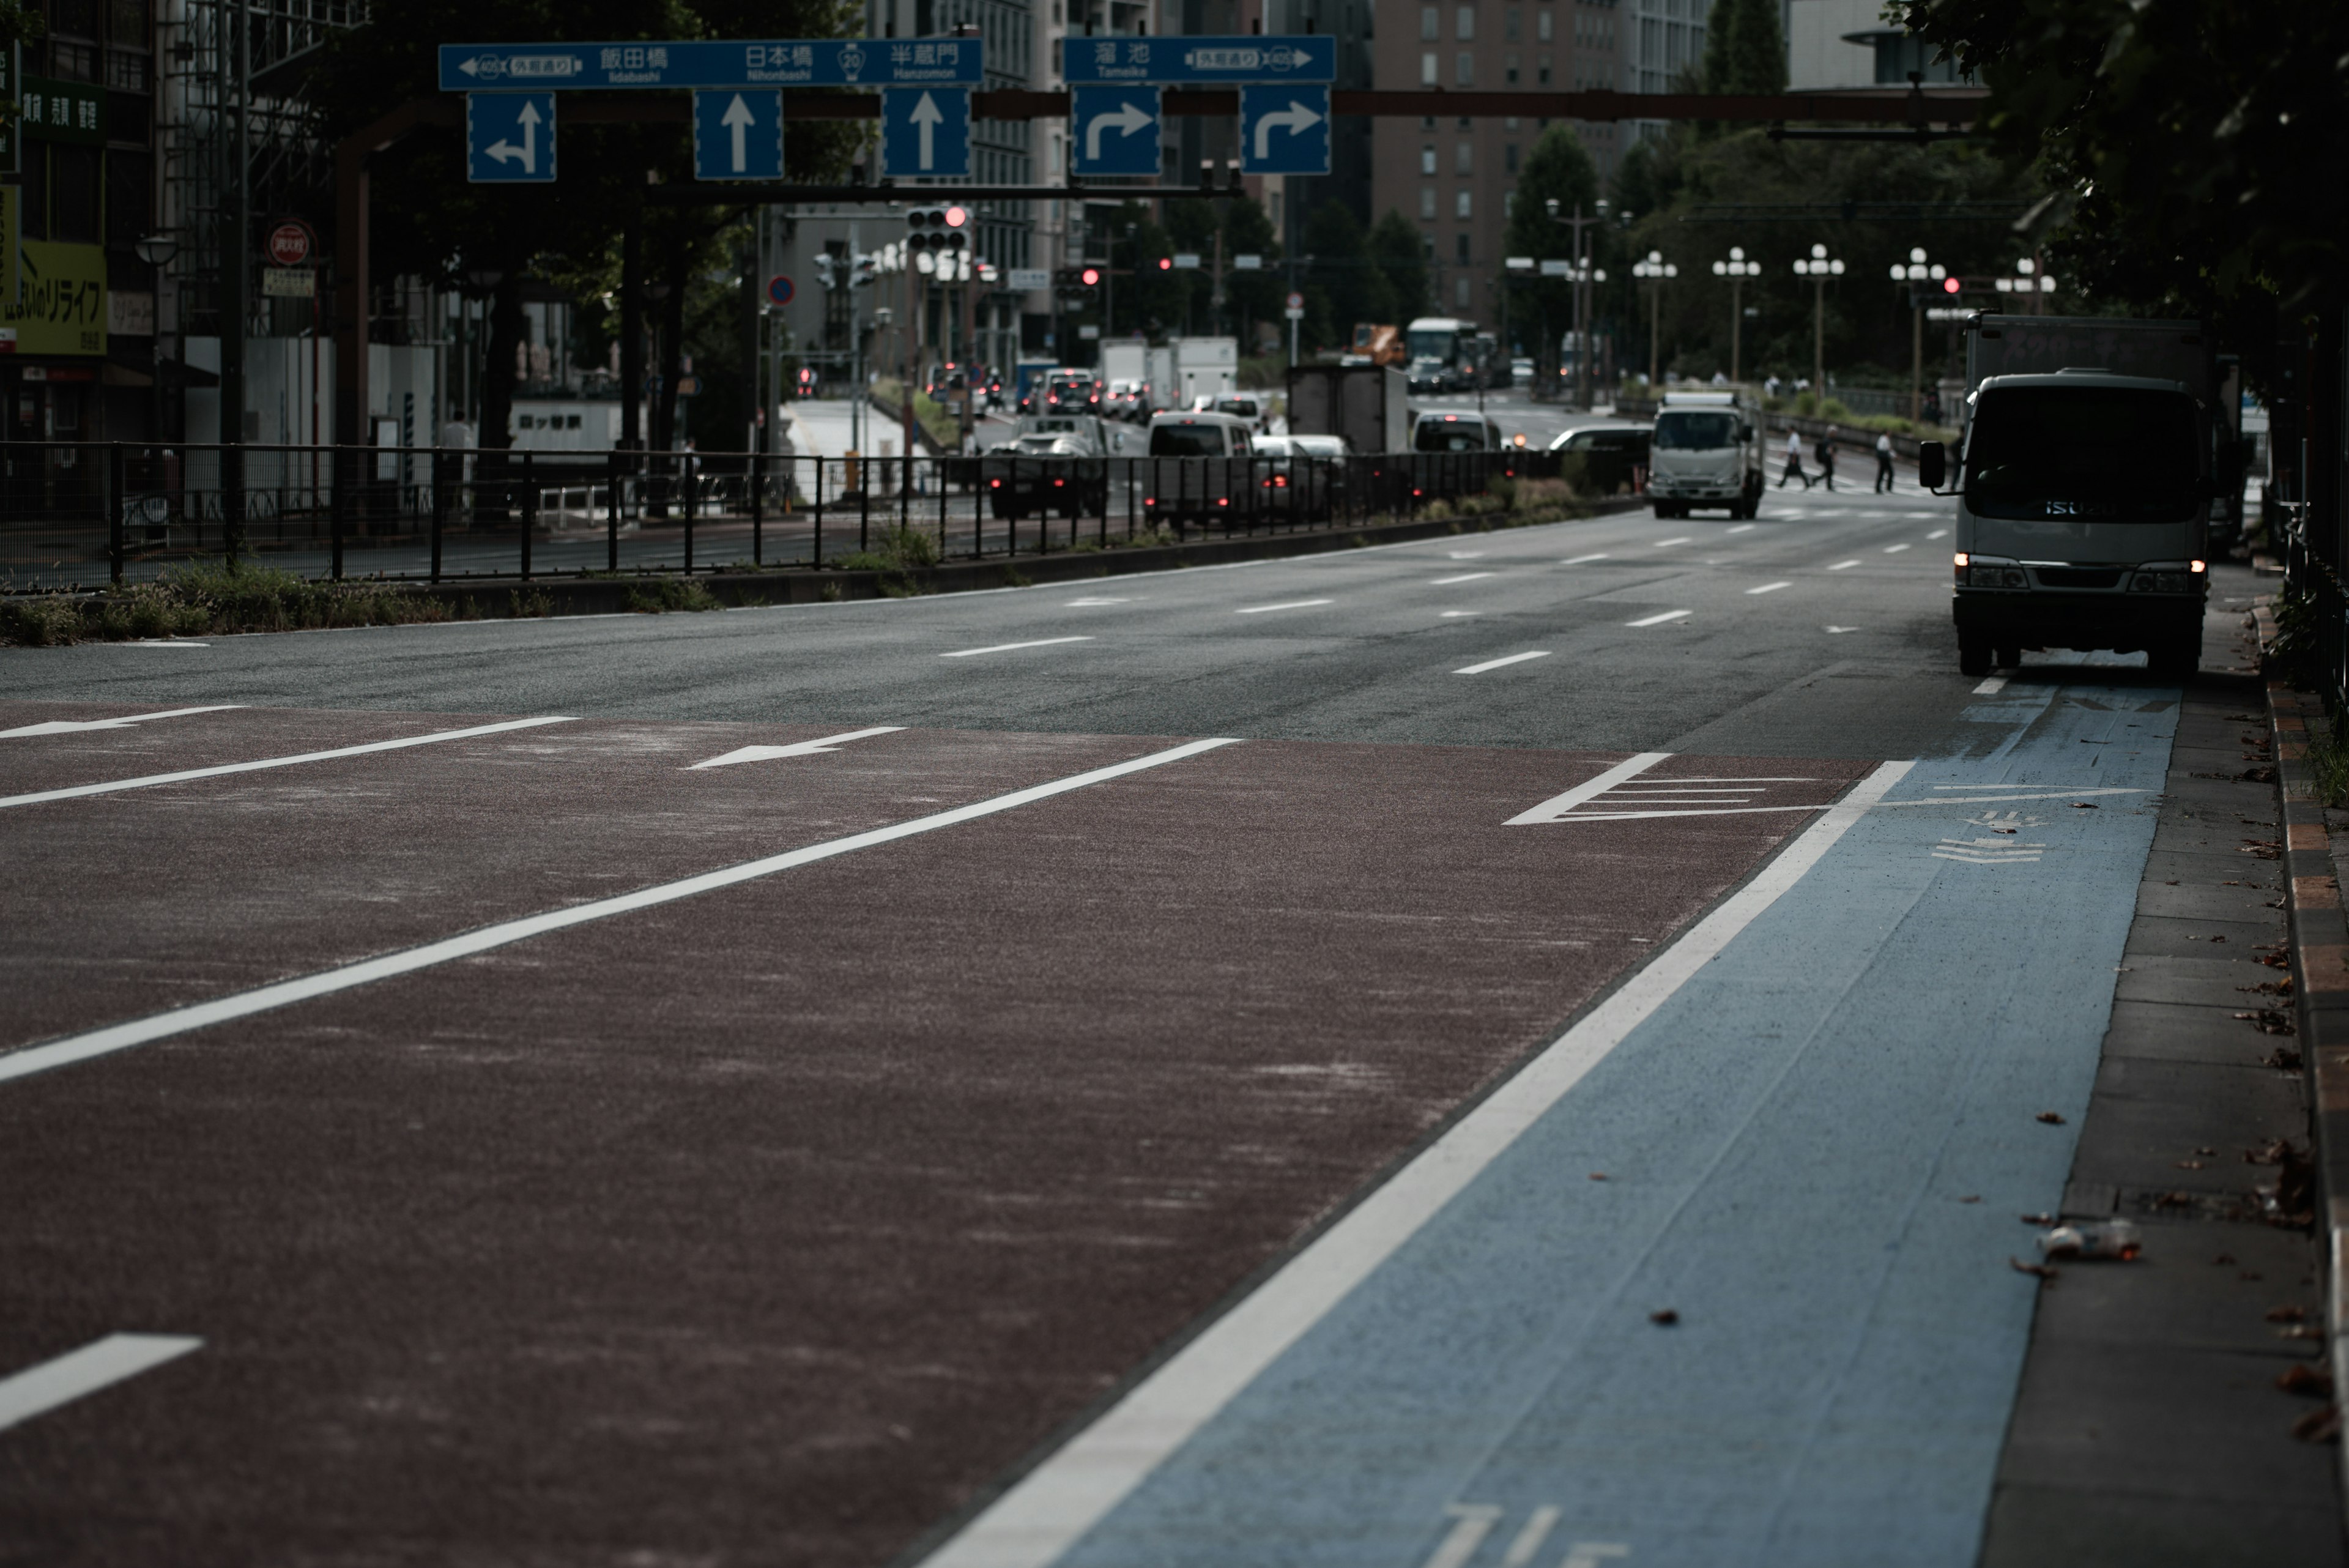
[1581, 330]
[234, 66]
[1819, 268]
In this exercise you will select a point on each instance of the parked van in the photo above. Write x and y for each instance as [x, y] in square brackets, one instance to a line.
[1706, 451]
[1200, 466]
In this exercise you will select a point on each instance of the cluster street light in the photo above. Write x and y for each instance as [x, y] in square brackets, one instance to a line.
[1819, 268]
[1737, 269]
[2032, 282]
[1917, 272]
[1653, 269]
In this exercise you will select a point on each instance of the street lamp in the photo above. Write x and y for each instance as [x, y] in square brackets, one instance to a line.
[1653, 269]
[1737, 269]
[1915, 273]
[1819, 268]
[2036, 284]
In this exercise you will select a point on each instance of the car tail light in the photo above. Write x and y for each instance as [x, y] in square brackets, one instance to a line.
[1222, 501]
[1150, 501]
[995, 485]
[1058, 482]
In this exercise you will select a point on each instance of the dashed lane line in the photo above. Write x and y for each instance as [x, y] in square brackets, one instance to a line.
[1008, 647]
[1668, 543]
[1894, 549]
[1938, 533]
[37, 1390]
[150, 779]
[1463, 577]
[1769, 588]
[83, 1047]
[1584, 560]
[1292, 604]
[1740, 528]
[1496, 663]
[1840, 566]
[1660, 619]
[1992, 687]
[75, 726]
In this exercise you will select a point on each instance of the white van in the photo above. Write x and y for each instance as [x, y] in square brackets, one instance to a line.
[1200, 466]
[1707, 451]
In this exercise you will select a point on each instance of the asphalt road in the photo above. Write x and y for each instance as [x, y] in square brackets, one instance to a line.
[1219, 1066]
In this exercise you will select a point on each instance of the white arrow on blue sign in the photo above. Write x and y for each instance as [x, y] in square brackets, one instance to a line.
[737, 135]
[1115, 129]
[509, 138]
[1284, 130]
[925, 132]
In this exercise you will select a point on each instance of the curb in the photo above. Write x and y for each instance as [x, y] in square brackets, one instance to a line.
[2320, 970]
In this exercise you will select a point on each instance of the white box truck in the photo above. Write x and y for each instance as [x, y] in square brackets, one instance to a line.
[1706, 451]
[2092, 461]
[1205, 368]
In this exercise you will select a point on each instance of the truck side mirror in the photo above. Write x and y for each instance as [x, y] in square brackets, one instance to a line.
[1932, 463]
[1745, 433]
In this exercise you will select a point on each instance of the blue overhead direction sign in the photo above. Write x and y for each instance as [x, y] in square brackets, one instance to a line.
[1285, 129]
[509, 138]
[737, 135]
[713, 63]
[1113, 130]
[1303, 57]
[926, 133]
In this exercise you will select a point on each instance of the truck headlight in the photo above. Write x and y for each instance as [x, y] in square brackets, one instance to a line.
[2161, 583]
[1984, 577]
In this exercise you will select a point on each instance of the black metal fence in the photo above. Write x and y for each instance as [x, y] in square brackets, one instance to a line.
[71, 512]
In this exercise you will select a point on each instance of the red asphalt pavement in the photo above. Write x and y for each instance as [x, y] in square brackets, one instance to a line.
[770, 1225]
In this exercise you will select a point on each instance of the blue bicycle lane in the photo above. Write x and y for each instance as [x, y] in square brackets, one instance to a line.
[1741, 1293]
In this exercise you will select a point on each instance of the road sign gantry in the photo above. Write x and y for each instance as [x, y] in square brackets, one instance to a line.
[712, 63]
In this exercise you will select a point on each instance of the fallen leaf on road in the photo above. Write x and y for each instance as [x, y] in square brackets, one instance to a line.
[2054, 1119]
[2046, 1274]
[1665, 1318]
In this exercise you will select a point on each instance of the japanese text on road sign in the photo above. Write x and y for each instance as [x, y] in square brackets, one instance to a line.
[1308, 58]
[709, 63]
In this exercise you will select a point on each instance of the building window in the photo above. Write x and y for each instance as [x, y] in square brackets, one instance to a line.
[1427, 77]
[1509, 67]
[1509, 157]
[1427, 122]
[1464, 202]
[1460, 248]
[1508, 204]
[1513, 27]
[1427, 201]
[1542, 20]
[1463, 68]
[1510, 123]
[1541, 71]
[1463, 158]
[72, 62]
[1427, 159]
[1461, 293]
[1464, 23]
[1431, 24]
[125, 70]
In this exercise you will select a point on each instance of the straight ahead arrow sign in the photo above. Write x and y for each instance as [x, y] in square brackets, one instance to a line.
[739, 120]
[927, 116]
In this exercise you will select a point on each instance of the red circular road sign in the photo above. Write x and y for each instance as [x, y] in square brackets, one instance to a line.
[1295, 302]
[779, 290]
[291, 243]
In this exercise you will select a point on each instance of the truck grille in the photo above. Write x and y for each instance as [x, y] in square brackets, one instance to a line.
[2077, 576]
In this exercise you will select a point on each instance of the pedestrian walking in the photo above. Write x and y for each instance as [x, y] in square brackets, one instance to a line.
[1884, 464]
[1793, 462]
[1824, 453]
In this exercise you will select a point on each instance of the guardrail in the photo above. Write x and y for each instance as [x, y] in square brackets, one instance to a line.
[71, 511]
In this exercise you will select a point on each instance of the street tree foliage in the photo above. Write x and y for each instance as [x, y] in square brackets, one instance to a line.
[491, 240]
[1558, 169]
[1343, 287]
[1744, 50]
[2193, 149]
[1397, 250]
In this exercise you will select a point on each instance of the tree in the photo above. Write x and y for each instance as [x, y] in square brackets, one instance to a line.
[1262, 295]
[1341, 269]
[1744, 51]
[1557, 170]
[1397, 250]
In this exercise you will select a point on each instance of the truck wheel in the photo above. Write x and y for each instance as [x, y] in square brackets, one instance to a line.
[1973, 655]
[2176, 657]
[1665, 510]
[2010, 656]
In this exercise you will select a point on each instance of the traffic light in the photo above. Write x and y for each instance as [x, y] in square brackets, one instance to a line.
[866, 272]
[1091, 276]
[938, 229]
[825, 271]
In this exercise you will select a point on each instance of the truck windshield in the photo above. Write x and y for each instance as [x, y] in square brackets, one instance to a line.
[1683, 430]
[1448, 435]
[2111, 454]
[1188, 440]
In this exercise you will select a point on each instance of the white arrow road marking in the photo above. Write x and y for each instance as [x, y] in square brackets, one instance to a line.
[926, 117]
[1558, 806]
[739, 120]
[1129, 118]
[527, 153]
[1992, 687]
[1529, 1540]
[1987, 851]
[1497, 663]
[37, 1390]
[69, 726]
[1476, 1521]
[796, 749]
[1668, 543]
[1297, 120]
[96, 1043]
[77, 791]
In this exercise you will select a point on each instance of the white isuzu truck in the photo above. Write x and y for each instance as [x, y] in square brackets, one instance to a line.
[2091, 462]
[1707, 451]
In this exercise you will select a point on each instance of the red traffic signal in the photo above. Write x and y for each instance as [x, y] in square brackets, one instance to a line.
[955, 217]
[1165, 264]
[1949, 285]
[1089, 276]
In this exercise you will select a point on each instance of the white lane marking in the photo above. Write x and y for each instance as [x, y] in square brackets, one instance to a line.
[1667, 544]
[1008, 647]
[158, 642]
[1496, 663]
[1840, 566]
[1921, 514]
[1466, 554]
[1660, 619]
[796, 749]
[1042, 1515]
[1938, 533]
[1474, 1521]
[1075, 604]
[1894, 549]
[1463, 577]
[1456, 615]
[1558, 806]
[1990, 799]
[1838, 631]
[1591, 1553]
[153, 779]
[1987, 851]
[39, 1390]
[1584, 560]
[1769, 588]
[75, 1048]
[1292, 604]
[1529, 1540]
[1992, 687]
[1740, 528]
[72, 726]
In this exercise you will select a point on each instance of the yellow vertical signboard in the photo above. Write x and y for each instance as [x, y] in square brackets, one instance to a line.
[54, 302]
